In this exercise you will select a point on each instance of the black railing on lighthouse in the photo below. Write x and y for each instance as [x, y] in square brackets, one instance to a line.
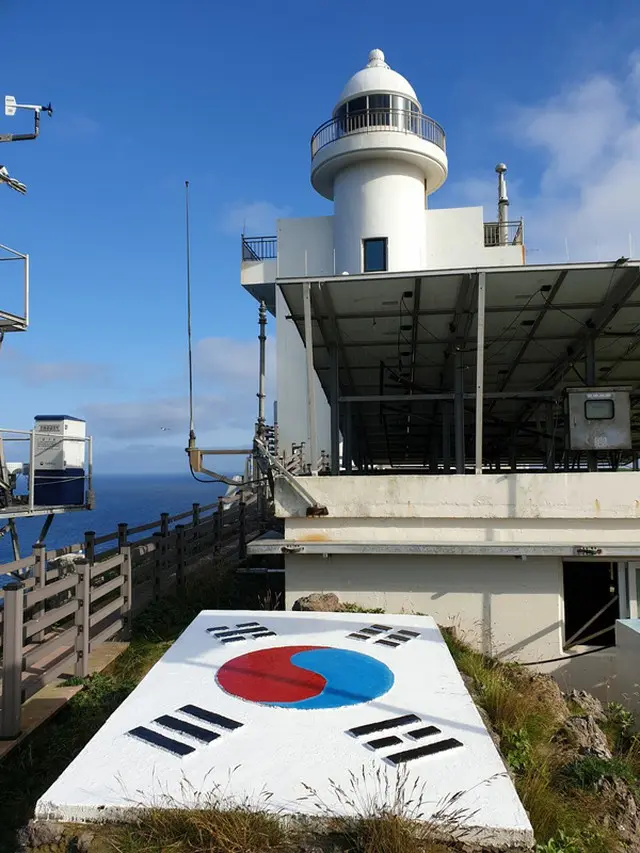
[404, 121]
[259, 248]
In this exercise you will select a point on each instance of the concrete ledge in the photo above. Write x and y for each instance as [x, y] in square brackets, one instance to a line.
[270, 545]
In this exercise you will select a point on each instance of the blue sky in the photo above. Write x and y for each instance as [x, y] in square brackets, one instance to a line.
[227, 95]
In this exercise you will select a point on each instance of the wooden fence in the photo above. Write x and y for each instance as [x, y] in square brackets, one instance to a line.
[58, 612]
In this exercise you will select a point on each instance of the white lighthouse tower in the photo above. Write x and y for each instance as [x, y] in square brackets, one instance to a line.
[377, 159]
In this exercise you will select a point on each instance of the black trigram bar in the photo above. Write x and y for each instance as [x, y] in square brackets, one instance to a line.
[383, 627]
[210, 717]
[409, 633]
[383, 725]
[399, 637]
[373, 632]
[242, 631]
[358, 636]
[421, 751]
[382, 742]
[234, 631]
[185, 728]
[387, 643]
[425, 731]
[156, 739]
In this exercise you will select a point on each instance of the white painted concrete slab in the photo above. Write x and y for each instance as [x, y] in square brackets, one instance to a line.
[364, 691]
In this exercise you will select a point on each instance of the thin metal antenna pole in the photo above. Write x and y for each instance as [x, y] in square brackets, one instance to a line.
[191, 429]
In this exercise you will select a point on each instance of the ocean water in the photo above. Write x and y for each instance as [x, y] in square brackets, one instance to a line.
[119, 498]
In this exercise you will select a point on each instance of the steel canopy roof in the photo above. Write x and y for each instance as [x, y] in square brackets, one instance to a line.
[399, 334]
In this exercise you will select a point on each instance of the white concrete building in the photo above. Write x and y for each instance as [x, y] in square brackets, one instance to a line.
[465, 423]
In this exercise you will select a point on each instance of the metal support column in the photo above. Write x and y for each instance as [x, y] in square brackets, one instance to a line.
[446, 437]
[335, 410]
[262, 338]
[458, 411]
[312, 453]
[590, 377]
[551, 438]
[347, 447]
[482, 290]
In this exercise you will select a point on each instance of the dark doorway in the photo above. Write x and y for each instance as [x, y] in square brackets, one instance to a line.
[588, 587]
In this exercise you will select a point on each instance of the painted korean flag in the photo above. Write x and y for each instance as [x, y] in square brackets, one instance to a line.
[271, 701]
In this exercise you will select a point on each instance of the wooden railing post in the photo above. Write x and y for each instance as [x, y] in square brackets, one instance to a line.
[127, 590]
[83, 595]
[180, 559]
[90, 546]
[242, 530]
[164, 523]
[40, 576]
[10, 712]
[219, 525]
[158, 541]
[195, 521]
[123, 534]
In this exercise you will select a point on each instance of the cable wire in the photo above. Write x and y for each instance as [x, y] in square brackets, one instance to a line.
[188, 248]
[566, 657]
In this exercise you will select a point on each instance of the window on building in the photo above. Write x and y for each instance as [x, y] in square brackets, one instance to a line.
[379, 109]
[591, 603]
[374, 254]
[599, 410]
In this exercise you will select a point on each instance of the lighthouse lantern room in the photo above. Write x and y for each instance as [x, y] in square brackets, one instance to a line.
[378, 158]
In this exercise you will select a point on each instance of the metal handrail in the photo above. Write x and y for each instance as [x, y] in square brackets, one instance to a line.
[390, 119]
[259, 248]
[504, 233]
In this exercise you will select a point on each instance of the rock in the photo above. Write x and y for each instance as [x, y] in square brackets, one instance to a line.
[487, 722]
[624, 812]
[585, 736]
[319, 602]
[83, 842]
[39, 834]
[588, 704]
[549, 695]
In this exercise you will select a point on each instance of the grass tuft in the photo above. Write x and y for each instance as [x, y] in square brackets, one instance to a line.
[387, 814]
[206, 830]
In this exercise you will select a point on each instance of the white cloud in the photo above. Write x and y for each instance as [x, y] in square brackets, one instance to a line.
[168, 418]
[589, 188]
[40, 373]
[226, 362]
[257, 218]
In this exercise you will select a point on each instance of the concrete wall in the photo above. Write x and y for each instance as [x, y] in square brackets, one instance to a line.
[418, 238]
[455, 238]
[258, 272]
[380, 198]
[504, 606]
[292, 386]
[581, 508]
[305, 246]
[627, 683]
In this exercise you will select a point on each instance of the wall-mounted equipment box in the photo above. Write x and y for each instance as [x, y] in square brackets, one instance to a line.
[598, 418]
[59, 456]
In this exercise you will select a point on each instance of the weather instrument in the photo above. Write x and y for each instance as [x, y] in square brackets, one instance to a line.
[10, 107]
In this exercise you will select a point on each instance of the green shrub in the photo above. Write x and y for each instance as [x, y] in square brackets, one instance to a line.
[517, 749]
[588, 770]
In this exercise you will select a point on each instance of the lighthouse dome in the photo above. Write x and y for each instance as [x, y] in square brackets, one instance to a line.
[377, 77]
